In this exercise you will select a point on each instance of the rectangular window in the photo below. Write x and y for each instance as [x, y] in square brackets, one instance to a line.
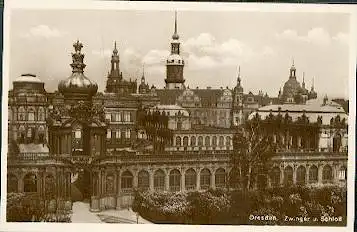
[118, 135]
[118, 118]
[109, 134]
[113, 117]
[107, 117]
[127, 133]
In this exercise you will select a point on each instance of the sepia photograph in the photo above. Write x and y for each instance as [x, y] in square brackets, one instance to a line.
[181, 114]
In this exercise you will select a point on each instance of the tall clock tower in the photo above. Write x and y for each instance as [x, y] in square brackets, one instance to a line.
[175, 64]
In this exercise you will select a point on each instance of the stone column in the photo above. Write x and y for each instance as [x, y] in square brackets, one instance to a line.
[282, 176]
[118, 189]
[198, 179]
[319, 176]
[294, 174]
[299, 141]
[167, 186]
[307, 178]
[213, 180]
[135, 179]
[151, 180]
[183, 187]
[20, 184]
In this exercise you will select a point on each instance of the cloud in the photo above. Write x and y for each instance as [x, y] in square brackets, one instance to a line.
[205, 52]
[43, 31]
[341, 37]
[316, 36]
[155, 57]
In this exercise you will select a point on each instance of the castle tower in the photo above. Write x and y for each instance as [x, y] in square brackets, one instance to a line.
[237, 108]
[114, 76]
[175, 63]
[143, 87]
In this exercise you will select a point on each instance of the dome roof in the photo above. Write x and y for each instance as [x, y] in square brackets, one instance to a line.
[291, 87]
[28, 78]
[78, 83]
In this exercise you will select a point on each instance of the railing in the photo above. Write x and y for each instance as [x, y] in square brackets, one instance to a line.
[164, 157]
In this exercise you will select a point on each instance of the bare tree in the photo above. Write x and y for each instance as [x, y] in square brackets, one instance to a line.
[253, 148]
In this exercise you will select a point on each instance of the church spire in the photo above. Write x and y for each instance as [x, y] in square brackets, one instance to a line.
[175, 36]
[303, 80]
[143, 76]
[239, 79]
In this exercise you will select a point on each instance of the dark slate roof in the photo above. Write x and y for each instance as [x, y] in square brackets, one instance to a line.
[168, 96]
[208, 97]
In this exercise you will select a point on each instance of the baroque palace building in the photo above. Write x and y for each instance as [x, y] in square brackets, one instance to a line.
[77, 143]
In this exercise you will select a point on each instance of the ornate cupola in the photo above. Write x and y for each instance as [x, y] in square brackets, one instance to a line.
[77, 87]
[175, 63]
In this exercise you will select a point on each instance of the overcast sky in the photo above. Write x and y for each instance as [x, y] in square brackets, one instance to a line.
[213, 45]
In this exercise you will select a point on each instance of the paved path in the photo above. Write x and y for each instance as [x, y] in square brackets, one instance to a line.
[121, 216]
[81, 214]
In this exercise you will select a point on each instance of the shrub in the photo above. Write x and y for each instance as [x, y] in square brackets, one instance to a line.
[22, 207]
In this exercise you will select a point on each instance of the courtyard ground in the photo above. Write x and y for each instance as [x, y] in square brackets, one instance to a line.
[81, 214]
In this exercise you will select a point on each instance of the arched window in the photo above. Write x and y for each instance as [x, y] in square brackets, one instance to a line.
[175, 180]
[126, 181]
[21, 133]
[159, 180]
[30, 133]
[337, 143]
[228, 141]
[41, 134]
[221, 141]
[301, 175]
[109, 184]
[185, 141]
[193, 141]
[207, 141]
[200, 141]
[178, 141]
[327, 173]
[12, 184]
[214, 141]
[41, 114]
[190, 179]
[50, 187]
[220, 178]
[22, 114]
[275, 177]
[78, 133]
[30, 183]
[288, 176]
[31, 115]
[205, 181]
[143, 180]
[313, 174]
[342, 173]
